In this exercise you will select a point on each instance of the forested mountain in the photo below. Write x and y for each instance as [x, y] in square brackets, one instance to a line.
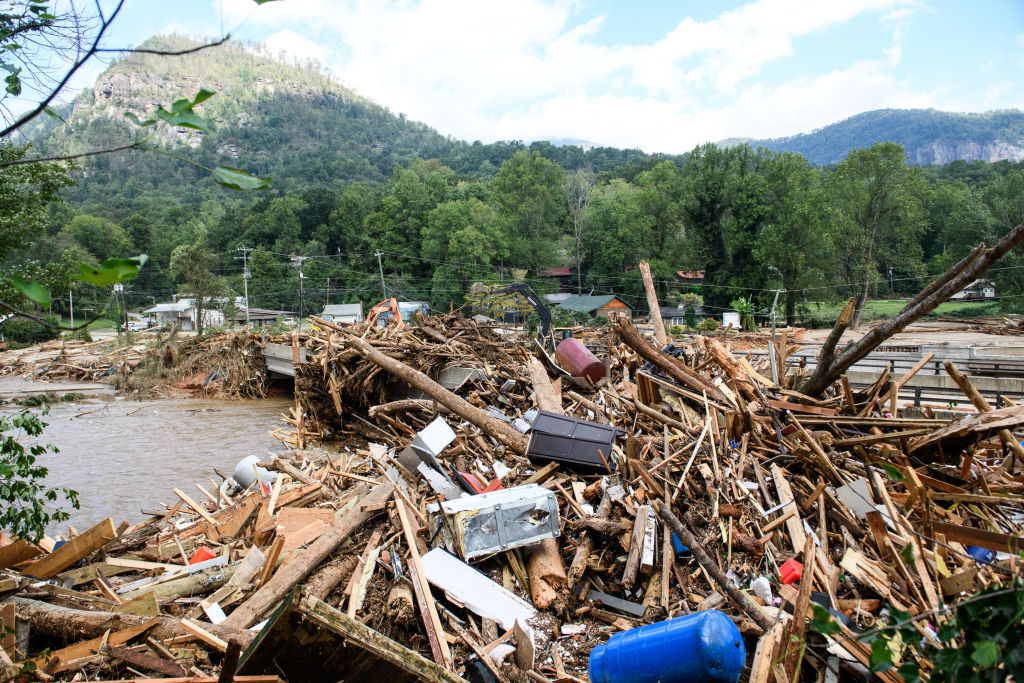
[287, 121]
[361, 194]
[928, 136]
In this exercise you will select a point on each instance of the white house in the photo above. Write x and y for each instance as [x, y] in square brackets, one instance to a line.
[979, 290]
[343, 313]
[183, 312]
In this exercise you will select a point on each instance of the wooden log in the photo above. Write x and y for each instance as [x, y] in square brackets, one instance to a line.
[544, 391]
[250, 611]
[490, 425]
[407, 405]
[653, 305]
[586, 546]
[711, 566]
[144, 661]
[74, 550]
[636, 545]
[983, 406]
[399, 605]
[327, 578]
[547, 574]
[830, 366]
[669, 365]
[74, 624]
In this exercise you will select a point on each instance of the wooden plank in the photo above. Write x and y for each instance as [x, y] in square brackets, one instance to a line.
[793, 523]
[204, 635]
[980, 537]
[18, 551]
[87, 574]
[764, 655]
[74, 550]
[438, 643]
[144, 606]
[199, 509]
[801, 408]
[305, 535]
[68, 655]
[292, 519]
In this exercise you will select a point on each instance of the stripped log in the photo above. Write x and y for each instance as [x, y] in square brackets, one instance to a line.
[666, 363]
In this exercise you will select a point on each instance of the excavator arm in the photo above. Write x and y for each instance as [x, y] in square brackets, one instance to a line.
[526, 291]
[391, 305]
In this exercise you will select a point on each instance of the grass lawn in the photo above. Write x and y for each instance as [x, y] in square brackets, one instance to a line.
[875, 308]
[98, 324]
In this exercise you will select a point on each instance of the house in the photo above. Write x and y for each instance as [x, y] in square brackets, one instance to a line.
[676, 315]
[979, 290]
[183, 312]
[690, 277]
[556, 299]
[343, 313]
[263, 317]
[607, 305]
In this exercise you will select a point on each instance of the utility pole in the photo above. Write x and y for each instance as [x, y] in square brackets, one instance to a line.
[383, 287]
[771, 347]
[71, 298]
[245, 278]
[119, 289]
[298, 261]
[328, 292]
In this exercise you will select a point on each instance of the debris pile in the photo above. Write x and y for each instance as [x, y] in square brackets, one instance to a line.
[98, 361]
[465, 508]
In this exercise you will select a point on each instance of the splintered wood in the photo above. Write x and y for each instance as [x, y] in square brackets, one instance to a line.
[719, 489]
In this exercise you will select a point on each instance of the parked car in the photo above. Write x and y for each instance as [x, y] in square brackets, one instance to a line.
[136, 326]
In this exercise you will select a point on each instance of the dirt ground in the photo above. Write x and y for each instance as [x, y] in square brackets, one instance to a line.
[933, 333]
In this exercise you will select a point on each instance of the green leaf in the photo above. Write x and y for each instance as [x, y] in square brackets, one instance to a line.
[892, 472]
[135, 119]
[184, 119]
[33, 290]
[908, 553]
[52, 113]
[112, 270]
[237, 179]
[986, 653]
[261, 2]
[881, 656]
[823, 622]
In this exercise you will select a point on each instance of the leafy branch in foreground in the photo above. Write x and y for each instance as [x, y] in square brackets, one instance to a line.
[981, 638]
[24, 497]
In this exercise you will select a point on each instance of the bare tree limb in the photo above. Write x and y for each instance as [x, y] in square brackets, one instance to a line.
[38, 160]
[830, 366]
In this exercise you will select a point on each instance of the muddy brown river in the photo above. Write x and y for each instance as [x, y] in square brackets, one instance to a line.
[125, 456]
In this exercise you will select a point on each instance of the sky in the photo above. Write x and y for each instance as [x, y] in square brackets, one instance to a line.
[662, 76]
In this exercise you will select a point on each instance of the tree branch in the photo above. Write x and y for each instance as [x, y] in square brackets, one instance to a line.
[166, 53]
[19, 162]
[104, 25]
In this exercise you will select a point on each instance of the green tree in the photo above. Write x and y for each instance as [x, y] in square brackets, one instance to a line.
[529, 195]
[192, 266]
[794, 238]
[24, 513]
[465, 231]
[879, 203]
[98, 236]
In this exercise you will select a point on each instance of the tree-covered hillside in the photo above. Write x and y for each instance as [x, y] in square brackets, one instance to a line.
[928, 136]
[288, 121]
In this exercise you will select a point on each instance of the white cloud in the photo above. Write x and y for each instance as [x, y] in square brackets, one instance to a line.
[534, 69]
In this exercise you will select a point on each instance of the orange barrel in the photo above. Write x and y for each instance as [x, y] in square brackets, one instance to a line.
[578, 361]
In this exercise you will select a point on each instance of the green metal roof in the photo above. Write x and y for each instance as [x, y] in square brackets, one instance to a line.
[587, 304]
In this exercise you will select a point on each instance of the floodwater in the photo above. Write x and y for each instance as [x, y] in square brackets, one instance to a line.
[126, 456]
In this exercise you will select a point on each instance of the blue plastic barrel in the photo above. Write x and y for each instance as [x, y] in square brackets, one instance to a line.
[705, 646]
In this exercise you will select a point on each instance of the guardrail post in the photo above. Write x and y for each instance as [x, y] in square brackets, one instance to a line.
[917, 397]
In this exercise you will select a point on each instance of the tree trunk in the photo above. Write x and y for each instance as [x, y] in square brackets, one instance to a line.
[75, 624]
[861, 300]
[791, 308]
[672, 367]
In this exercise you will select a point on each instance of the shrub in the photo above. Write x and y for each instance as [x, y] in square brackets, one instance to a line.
[708, 325]
[29, 331]
[677, 329]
